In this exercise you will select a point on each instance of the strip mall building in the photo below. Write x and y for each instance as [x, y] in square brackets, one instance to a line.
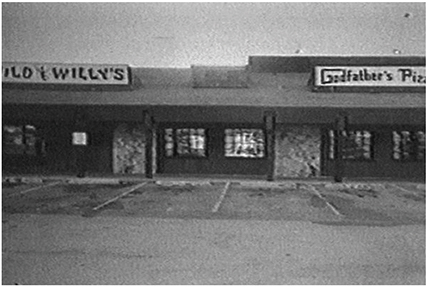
[277, 117]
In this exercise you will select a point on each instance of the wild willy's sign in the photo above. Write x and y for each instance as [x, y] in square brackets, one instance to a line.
[403, 76]
[81, 74]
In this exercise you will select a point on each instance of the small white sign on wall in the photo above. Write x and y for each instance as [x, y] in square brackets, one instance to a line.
[76, 74]
[79, 138]
[363, 76]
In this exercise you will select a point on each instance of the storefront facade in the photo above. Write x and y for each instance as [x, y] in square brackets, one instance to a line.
[277, 117]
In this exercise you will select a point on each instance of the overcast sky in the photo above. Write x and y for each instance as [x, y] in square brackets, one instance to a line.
[184, 34]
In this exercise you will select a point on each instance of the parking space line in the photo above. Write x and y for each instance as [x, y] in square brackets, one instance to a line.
[221, 198]
[404, 190]
[33, 189]
[119, 196]
[317, 193]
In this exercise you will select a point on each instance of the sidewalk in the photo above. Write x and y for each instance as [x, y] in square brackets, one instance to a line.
[243, 180]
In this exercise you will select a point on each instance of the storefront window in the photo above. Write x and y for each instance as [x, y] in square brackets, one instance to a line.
[357, 145]
[244, 143]
[19, 140]
[185, 142]
[409, 145]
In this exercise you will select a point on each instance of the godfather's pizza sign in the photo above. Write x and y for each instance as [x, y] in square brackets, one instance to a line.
[403, 76]
[81, 74]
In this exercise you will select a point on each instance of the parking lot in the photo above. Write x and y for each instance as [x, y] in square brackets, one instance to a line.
[319, 202]
[212, 232]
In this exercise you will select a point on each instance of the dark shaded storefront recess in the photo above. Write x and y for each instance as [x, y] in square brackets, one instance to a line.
[218, 149]
[264, 120]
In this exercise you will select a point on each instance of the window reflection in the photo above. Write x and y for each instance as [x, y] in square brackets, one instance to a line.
[185, 142]
[21, 140]
[245, 143]
[357, 145]
[408, 145]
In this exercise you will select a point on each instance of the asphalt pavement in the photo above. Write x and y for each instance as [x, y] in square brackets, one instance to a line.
[104, 250]
[170, 231]
[319, 202]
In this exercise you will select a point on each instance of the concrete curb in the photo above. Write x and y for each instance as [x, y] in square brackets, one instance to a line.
[165, 181]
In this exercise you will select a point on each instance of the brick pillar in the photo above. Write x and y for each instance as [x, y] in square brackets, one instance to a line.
[81, 151]
[269, 124]
[341, 124]
[149, 131]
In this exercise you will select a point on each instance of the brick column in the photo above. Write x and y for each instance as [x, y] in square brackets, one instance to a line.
[81, 151]
[341, 124]
[269, 126]
[149, 131]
